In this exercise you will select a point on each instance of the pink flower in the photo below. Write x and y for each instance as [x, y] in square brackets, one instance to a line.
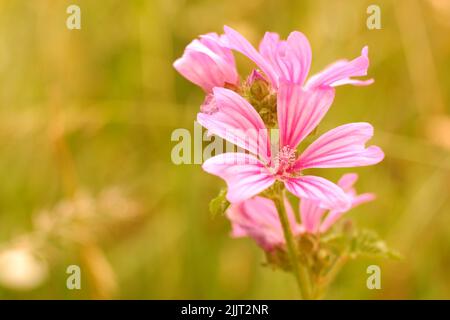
[290, 60]
[346, 182]
[208, 63]
[299, 111]
[311, 213]
[258, 218]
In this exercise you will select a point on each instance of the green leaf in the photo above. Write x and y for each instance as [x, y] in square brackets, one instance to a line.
[219, 204]
[367, 242]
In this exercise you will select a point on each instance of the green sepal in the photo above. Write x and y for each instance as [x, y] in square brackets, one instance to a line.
[219, 204]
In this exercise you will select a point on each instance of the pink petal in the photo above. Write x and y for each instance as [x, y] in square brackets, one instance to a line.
[343, 146]
[339, 73]
[326, 193]
[199, 69]
[207, 63]
[300, 111]
[244, 174]
[311, 213]
[217, 45]
[232, 118]
[335, 215]
[258, 218]
[237, 42]
[254, 76]
[269, 46]
[347, 181]
[354, 82]
[363, 198]
[331, 219]
[290, 59]
[298, 53]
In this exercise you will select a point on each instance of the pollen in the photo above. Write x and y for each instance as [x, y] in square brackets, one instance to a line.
[284, 160]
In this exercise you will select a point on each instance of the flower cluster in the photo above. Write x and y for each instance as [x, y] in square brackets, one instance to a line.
[277, 94]
[258, 217]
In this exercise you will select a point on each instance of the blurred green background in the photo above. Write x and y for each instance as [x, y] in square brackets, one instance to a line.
[85, 123]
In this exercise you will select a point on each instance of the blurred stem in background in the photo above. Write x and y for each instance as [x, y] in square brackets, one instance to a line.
[101, 276]
[100, 273]
[61, 149]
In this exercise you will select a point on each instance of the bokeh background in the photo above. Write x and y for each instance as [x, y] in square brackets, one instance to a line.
[86, 118]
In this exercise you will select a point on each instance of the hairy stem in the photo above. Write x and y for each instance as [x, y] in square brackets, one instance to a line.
[299, 270]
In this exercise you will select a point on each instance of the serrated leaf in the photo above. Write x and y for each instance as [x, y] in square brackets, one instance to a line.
[219, 204]
[367, 242]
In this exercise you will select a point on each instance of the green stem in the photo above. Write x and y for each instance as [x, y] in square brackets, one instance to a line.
[300, 271]
[325, 282]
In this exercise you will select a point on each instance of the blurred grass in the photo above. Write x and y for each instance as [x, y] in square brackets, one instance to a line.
[95, 108]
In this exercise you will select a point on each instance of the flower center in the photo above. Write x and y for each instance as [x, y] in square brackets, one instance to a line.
[282, 163]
